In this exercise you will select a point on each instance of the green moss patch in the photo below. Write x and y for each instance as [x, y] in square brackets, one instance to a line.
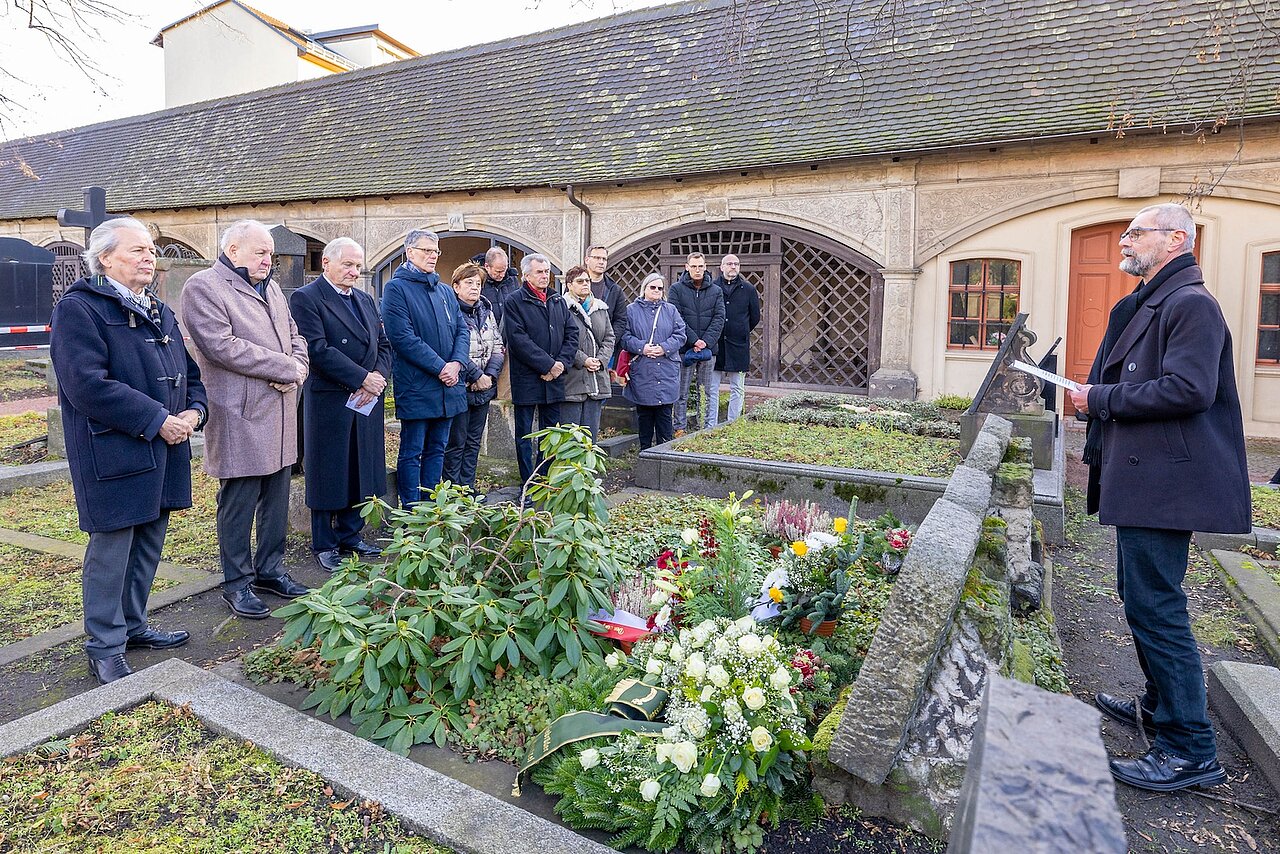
[1037, 657]
[1266, 507]
[863, 447]
[17, 430]
[155, 779]
[50, 511]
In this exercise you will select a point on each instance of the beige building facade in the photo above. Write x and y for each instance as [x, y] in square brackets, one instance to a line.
[870, 269]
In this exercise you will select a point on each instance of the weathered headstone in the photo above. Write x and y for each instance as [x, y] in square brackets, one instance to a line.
[1015, 395]
[290, 256]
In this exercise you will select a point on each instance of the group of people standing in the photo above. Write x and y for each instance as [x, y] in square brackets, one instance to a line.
[133, 393]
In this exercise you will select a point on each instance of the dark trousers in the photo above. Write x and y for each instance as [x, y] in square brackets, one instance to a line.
[464, 444]
[651, 420]
[242, 501]
[1150, 566]
[526, 452]
[334, 529]
[421, 459]
[119, 567]
[584, 412]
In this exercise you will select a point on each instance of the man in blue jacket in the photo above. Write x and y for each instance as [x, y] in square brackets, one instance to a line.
[131, 397]
[1166, 456]
[431, 345]
[541, 340]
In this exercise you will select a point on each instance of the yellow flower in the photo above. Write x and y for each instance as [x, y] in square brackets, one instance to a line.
[775, 594]
[799, 548]
[840, 525]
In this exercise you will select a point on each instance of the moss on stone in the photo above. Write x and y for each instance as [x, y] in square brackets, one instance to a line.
[862, 491]
[827, 731]
[1018, 450]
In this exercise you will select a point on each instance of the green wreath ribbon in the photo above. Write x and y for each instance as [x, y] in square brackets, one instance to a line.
[630, 707]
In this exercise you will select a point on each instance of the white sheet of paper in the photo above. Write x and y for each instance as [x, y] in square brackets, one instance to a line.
[363, 410]
[1056, 379]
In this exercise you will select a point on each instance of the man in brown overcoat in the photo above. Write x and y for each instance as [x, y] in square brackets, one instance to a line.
[252, 361]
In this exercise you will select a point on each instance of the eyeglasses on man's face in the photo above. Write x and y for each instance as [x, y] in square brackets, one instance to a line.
[430, 250]
[1137, 231]
[598, 257]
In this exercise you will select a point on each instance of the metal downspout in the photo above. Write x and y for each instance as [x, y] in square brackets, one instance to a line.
[586, 219]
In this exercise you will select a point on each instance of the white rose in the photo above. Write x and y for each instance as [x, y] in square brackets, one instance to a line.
[685, 637]
[696, 667]
[754, 699]
[677, 652]
[707, 693]
[612, 660]
[689, 535]
[750, 645]
[589, 758]
[771, 642]
[732, 709]
[746, 623]
[660, 648]
[760, 739]
[780, 679]
[721, 646]
[718, 676]
[710, 786]
[671, 733]
[819, 540]
[659, 598]
[654, 667]
[664, 752]
[684, 755]
[649, 789]
[696, 726]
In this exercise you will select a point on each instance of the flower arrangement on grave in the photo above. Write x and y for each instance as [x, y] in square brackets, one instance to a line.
[469, 589]
[785, 521]
[713, 572]
[892, 544]
[811, 584]
[711, 773]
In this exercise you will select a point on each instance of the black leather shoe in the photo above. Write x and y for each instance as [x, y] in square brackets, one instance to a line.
[363, 549]
[1124, 711]
[1157, 771]
[330, 560]
[281, 585]
[243, 603]
[156, 639]
[109, 669]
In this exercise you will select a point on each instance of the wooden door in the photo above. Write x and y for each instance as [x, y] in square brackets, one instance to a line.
[1095, 285]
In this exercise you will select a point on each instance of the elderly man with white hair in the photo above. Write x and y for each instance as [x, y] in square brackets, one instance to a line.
[131, 398]
[344, 446]
[252, 360]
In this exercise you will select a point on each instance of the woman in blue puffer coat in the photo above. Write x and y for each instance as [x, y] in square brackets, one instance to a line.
[655, 333]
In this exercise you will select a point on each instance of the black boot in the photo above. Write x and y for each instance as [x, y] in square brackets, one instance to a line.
[109, 669]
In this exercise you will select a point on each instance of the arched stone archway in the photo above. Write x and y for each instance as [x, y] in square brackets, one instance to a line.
[456, 247]
[821, 301]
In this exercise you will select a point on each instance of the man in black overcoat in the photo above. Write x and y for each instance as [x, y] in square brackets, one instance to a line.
[541, 340]
[733, 358]
[1166, 456]
[344, 451]
[131, 398]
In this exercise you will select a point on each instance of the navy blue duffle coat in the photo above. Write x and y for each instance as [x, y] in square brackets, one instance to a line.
[119, 377]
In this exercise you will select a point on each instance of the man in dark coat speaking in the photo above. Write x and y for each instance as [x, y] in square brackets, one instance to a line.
[343, 449]
[1165, 449]
[131, 398]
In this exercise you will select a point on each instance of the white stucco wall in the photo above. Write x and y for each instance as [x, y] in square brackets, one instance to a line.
[223, 52]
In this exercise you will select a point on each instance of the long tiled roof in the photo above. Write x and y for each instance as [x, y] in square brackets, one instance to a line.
[677, 90]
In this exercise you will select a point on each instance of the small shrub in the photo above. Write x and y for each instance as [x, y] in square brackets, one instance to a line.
[954, 402]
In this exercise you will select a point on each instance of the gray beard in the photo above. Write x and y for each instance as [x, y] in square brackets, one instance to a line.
[1136, 265]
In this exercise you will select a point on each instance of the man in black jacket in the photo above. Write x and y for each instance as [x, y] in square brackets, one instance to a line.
[541, 340]
[500, 280]
[701, 304]
[733, 357]
[605, 288]
[344, 449]
[1166, 456]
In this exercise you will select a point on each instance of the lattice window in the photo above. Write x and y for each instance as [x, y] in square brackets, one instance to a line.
[983, 302]
[630, 271]
[721, 243]
[1269, 310]
[756, 279]
[826, 319]
[168, 247]
[67, 267]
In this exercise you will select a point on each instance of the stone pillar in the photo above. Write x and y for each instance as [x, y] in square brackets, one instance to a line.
[895, 377]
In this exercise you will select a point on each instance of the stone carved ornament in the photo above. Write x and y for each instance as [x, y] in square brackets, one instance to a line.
[1007, 390]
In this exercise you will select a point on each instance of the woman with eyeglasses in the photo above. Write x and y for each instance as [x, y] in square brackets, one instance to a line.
[655, 333]
[587, 386]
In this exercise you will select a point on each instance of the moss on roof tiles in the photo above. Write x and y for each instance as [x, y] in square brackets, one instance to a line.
[656, 90]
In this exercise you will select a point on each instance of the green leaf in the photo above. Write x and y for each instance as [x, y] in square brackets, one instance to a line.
[393, 647]
[558, 593]
[372, 677]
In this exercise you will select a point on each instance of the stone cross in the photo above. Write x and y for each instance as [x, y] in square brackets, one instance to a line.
[93, 215]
